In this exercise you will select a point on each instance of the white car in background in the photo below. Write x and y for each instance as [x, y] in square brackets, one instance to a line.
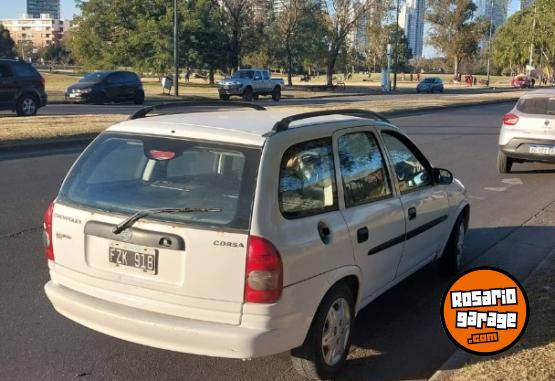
[528, 131]
[248, 233]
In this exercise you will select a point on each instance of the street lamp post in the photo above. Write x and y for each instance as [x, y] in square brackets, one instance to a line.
[175, 48]
[489, 41]
[396, 47]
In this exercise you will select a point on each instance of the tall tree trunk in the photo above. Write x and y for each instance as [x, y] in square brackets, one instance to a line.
[330, 68]
[289, 70]
[211, 76]
[456, 66]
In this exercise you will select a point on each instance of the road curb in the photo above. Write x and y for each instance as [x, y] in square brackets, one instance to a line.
[37, 144]
[460, 357]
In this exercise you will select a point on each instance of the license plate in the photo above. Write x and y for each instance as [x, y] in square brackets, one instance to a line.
[544, 150]
[73, 95]
[143, 259]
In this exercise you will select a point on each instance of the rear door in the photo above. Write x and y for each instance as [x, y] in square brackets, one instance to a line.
[425, 206]
[8, 86]
[189, 263]
[114, 86]
[373, 211]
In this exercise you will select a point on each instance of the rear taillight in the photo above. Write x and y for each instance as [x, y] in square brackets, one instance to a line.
[510, 119]
[47, 232]
[264, 276]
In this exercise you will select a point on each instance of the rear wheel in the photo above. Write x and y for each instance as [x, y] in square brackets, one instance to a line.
[276, 94]
[504, 163]
[139, 98]
[27, 105]
[326, 346]
[224, 97]
[450, 262]
[248, 95]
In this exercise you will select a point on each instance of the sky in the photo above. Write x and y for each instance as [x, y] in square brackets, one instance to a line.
[14, 8]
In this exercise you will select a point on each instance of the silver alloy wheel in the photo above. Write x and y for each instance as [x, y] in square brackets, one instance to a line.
[28, 106]
[460, 243]
[336, 331]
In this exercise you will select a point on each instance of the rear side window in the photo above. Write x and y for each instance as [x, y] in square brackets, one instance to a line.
[125, 173]
[362, 169]
[25, 70]
[307, 180]
[5, 71]
[537, 105]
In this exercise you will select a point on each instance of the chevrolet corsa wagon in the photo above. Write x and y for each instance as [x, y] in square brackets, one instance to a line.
[242, 234]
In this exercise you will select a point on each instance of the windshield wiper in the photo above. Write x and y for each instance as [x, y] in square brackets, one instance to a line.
[149, 212]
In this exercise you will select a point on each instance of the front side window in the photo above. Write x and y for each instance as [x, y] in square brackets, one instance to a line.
[307, 179]
[128, 173]
[411, 172]
[265, 75]
[362, 168]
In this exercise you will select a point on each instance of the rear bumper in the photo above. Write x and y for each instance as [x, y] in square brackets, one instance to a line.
[168, 332]
[519, 148]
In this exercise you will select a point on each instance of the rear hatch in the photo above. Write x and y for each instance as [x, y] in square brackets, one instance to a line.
[185, 264]
[536, 116]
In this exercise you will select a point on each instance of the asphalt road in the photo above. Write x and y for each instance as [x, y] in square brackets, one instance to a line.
[397, 337]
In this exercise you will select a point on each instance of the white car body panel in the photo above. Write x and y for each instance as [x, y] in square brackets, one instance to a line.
[195, 304]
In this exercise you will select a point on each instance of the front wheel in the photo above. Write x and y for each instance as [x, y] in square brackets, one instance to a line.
[504, 163]
[27, 106]
[326, 346]
[450, 262]
[248, 95]
[224, 97]
[139, 98]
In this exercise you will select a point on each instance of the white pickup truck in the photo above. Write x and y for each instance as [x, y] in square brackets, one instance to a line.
[249, 84]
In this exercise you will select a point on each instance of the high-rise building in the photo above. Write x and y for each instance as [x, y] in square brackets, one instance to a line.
[35, 8]
[37, 32]
[525, 4]
[500, 11]
[411, 19]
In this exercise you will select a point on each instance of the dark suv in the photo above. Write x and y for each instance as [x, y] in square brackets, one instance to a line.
[21, 88]
[107, 86]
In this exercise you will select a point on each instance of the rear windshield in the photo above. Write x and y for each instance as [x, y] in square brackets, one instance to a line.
[127, 173]
[537, 105]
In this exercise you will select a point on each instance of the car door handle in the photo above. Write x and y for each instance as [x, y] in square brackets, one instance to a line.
[362, 235]
[325, 232]
[412, 213]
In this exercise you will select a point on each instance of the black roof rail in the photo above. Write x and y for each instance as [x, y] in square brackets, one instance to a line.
[283, 124]
[142, 113]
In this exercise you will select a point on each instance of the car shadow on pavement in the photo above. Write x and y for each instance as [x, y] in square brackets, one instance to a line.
[399, 336]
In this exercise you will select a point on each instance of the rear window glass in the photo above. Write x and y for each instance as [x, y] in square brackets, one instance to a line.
[25, 70]
[125, 174]
[537, 105]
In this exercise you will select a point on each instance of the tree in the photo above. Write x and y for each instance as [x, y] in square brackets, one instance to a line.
[376, 50]
[238, 14]
[513, 39]
[454, 30]
[7, 44]
[341, 16]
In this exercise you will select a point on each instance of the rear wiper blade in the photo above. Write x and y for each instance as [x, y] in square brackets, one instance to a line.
[149, 212]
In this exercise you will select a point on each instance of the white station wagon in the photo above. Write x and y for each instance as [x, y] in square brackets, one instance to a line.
[242, 234]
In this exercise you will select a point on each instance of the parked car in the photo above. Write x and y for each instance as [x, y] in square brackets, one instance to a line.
[21, 88]
[430, 85]
[246, 234]
[250, 84]
[102, 87]
[521, 81]
[528, 131]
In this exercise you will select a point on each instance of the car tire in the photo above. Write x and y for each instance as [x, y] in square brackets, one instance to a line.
[450, 261]
[255, 97]
[417, 91]
[504, 163]
[27, 105]
[248, 95]
[139, 98]
[276, 94]
[441, 90]
[224, 97]
[331, 328]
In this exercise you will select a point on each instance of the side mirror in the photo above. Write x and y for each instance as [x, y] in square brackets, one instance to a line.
[442, 176]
